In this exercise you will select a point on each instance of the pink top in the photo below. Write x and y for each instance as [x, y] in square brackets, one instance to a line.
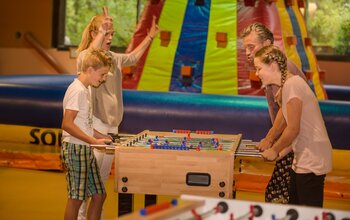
[312, 147]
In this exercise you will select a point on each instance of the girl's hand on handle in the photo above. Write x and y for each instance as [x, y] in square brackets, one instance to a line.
[264, 144]
[269, 154]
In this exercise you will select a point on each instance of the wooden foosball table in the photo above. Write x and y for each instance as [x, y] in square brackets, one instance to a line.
[175, 163]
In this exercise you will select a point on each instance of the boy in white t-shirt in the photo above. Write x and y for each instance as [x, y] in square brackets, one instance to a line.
[298, 124]
[83, 177]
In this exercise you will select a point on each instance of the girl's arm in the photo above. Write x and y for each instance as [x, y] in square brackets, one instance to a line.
[294, 110]
[277, 128]
[141, 48]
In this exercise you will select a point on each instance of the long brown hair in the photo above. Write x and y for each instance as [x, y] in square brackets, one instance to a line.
[86, 37]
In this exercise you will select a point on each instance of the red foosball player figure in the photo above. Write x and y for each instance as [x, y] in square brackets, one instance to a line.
[199, 146]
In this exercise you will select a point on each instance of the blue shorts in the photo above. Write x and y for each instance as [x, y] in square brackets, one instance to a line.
[82, 175]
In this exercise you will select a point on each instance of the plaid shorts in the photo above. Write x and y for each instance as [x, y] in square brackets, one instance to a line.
[82, 175]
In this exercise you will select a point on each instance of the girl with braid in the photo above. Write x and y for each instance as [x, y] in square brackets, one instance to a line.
[254, 37]
[298, 127]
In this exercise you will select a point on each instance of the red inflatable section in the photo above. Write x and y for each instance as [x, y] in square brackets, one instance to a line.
[153, 8]
[266, 14]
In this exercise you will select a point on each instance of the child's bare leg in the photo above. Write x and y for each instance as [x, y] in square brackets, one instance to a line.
[72, 209]
[95, 207]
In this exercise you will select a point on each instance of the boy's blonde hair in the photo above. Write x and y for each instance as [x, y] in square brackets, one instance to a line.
[96, 58]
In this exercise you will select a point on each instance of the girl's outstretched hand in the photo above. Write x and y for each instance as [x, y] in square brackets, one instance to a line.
[107, 22]
[154, 28]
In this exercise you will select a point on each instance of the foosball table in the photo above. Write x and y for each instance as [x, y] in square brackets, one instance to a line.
[178, 162]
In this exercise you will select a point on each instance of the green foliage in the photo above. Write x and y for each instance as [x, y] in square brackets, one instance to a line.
[330, 24]
[342, 45]
[80, 12]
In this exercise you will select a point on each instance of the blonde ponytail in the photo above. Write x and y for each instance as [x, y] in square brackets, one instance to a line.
[86, 37]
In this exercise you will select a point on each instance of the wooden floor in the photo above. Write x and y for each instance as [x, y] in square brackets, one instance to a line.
[34, 195]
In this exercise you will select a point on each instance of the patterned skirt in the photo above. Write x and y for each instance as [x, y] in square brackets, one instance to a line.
[278, 186]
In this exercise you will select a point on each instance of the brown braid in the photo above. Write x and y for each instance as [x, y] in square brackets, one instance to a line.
[271, 54]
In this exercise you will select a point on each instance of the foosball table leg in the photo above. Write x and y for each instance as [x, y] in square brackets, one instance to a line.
[233, 190]
[150, 200]
[125, 203]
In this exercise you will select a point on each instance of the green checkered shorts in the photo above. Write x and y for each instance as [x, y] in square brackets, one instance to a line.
[83, 176]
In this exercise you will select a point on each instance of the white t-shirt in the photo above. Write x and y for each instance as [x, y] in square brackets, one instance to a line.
[77, 98]
[312, 147]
